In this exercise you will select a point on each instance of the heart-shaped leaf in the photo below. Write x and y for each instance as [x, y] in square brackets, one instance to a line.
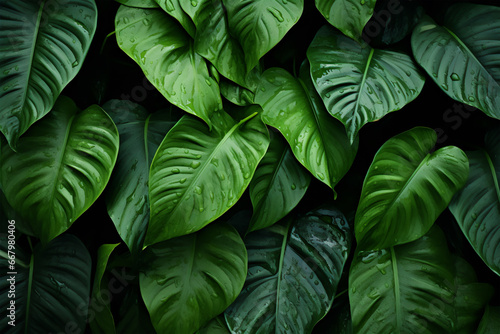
[61, 167]
[359, 84]
[278, 185]
[414, 288]
[407, 188]
[51, 288]
[43, 45]
[198, 174]
[189, 280]
[260, 25]
[293, 272]
[462, 56]
[318, 141]
[166, 54]
[127, 197]
[477, 206]
[349, 16]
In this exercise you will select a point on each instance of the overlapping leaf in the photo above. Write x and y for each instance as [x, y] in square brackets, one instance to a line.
[462, 56]
[357, 83]
[407, 188]
[198, 174]
[189, 280]
[293, 272]
[42, 48]
[61, 167]
[317, 140]
[174, 9]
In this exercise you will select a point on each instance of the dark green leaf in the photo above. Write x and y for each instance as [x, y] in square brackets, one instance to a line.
[490, 323]
[174, 9]
[139, 3]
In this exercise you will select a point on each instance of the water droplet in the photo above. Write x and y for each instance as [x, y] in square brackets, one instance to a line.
[472, 99]
[246, 175]
[75, 63]
[194, 3]
[222, 177]
[175, 170]
[201, 209]
[370, 90]
[434, 75]
[321, 176]
[455, 77]
[444, 86]
[182, 180]
[183, 89]
[170, 6]
[369, 258]
[212, 196]
[208, 82]
[474, 216]
[197, 190]
[130, 198]
[293, 186]
[125, 20]
[276, 13]
[195, 164]
[316, 282]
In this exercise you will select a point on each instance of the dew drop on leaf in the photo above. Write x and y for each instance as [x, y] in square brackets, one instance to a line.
[455, 77]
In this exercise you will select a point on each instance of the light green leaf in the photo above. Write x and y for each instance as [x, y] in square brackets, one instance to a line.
[278, 185]
[139, 3]
[462, 56]
[413, 288]
[406, 189]
[198, 174]
[490, 323]
[259, 25]
[61, 167]
[349, 16]
[166, 54]
[189, 280]
[52, 287]
[127, 196]
[42, 47]
[359, 84]
[317, 140]
[293, 272]
[477, 206]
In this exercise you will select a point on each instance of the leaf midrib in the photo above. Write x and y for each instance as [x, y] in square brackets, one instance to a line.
[280, 268]
[363, 81]
[397, 292]
[493, 174]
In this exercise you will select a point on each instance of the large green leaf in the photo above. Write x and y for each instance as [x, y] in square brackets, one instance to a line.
[189, 280]
[259, 25]
[279, 184]
[215, 326]
[415, 288]
[349, 16]
[52, 287]
[166, 55]
[293, 272]
[174, 9]
[61, 167]
[407, 188]
[318, 141]
[198, 174]
[477, 206]
[462, 56]
[127, 197]
[359, 84]
[42, 48]
[490, 323]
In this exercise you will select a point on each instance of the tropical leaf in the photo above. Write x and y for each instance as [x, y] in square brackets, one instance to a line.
[293, 272]
[260, 25]
[359, 84]
[189, 280]
[477, 206]
[127, 197]
[349, 16]
[414, 288]
[406, 189]
[139, 3]
[42, 48]
[61, 167]
[461, 56]
[490, 323]
[174, 9]
[317, 140]
[278, 185]
[133, 314]
[166, 54]
[52, 287]
[198, 174]
[215, 326]
[236, 94]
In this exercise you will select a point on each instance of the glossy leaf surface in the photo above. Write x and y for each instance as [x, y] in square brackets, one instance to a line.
[406, 189]
[189, 280]
[61, 167]
[490, 323]
[42, 47]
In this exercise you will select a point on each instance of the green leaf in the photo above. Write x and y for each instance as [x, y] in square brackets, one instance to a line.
[461, 56]
[293, 272]
[174, 9]
[51, 289]
[166, 54]
[215, 326]
[349, 16]
[134, 316]
[407, 188]
[139, 3]
[189, 280]
[260, 25]
[477, 206]
[127, 196]
[236, 94]
[278, 185]
[359, 84]
[317, 140]
[42, 47]
[101, 319]
[413, 288]
[198, 174]
[61, 167]
[490, 323]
